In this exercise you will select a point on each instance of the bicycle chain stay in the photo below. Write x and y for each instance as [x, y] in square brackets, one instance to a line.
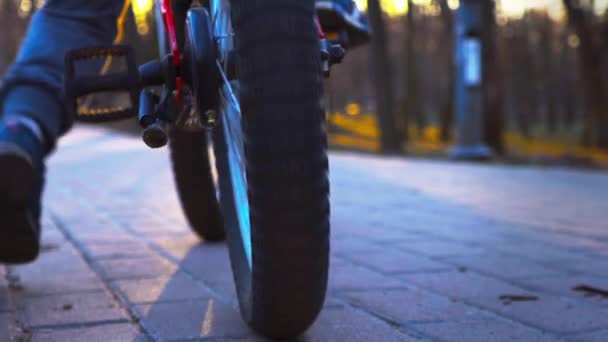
[169, 21]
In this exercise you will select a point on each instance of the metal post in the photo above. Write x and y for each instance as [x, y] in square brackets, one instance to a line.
[469, 82]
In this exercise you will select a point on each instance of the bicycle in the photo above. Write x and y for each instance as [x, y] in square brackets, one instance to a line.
[240, 107]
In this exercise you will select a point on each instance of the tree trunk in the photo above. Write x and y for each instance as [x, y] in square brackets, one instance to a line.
[493, 92]
[410, 107]
[593, 68]
[446, 112]
[10, 39]
[382, 80]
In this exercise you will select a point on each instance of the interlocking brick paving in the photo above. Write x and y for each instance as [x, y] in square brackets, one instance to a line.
[421, 251]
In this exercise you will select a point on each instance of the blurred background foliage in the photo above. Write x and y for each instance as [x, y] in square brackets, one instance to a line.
[545, 69]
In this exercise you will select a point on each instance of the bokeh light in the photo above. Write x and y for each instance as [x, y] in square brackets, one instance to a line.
[141, 10]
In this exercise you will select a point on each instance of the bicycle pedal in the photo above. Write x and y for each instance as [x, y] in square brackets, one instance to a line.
[77, 86]
[155, 135]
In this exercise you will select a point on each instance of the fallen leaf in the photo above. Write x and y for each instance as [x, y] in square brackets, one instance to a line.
[508, 299]
[591, 291]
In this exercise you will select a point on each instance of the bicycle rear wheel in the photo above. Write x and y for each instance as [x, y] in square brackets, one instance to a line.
[190, 162]
[271, 157]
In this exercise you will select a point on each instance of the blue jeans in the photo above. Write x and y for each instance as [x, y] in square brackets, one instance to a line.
[34, 84]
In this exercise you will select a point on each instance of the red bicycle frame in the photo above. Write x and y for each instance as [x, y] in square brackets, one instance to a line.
[169, 21]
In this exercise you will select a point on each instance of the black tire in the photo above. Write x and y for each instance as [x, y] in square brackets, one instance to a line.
[194, 183]
[190, 161]
[285, 152]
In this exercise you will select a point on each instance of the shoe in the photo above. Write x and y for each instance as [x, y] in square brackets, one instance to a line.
[21, 181]
[339, 17]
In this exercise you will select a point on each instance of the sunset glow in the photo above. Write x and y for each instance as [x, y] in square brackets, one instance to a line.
[510, 8]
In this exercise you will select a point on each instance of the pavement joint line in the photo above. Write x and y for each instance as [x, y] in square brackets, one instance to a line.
[68, 326]
[115, 292]
[161, 252]
[487, 310]
[551, 266]
[164, 254]
[170, 301]
[61, 293]
[513, 319]
[158, 249]
[17, 311]
[490, 311]
[406, 286]
[465, 301]
[522, 227]
[208, 339]
[399, 326]
[393, 273]
[511, 281]
[590, 331]
[386, 318]
[192, 276]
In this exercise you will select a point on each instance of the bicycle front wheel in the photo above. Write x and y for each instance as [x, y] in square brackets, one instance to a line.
[271, 157]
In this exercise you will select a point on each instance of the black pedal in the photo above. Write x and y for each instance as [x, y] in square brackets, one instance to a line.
[77, 86]
[331, 54]
[154, 130]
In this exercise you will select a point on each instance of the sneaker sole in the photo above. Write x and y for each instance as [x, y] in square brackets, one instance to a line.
[19, 242]
[16, 175]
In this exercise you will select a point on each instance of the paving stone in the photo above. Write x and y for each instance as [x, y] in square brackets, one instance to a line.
[136, 268]
[71, 309]
[193, 319]
[6, 323]
[409, 305]
[594, 336]
[4, 300]
[386, 231]
[502, 266]
[119, 250]
[541, 248]
[585, 265]
[394, 261]
[439, 248]
[33, 283]
[466, 284]
[348, 324]
[347, 276]
[101, 333]
[59, 261]
[51, 237]
[556, 314]
[158, 226]
[177, 287]
[350, 244]
[104, 235]
[484, 330]
[209, 262]
[177, 246]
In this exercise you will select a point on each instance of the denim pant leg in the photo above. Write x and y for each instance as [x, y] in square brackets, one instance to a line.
[34, 84]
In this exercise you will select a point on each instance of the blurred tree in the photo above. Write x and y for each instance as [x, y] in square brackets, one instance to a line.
[383, 85]
[10, 38]
[493, 92]
[446, 111]
[410, 100]
[548, 58]
[593, 67]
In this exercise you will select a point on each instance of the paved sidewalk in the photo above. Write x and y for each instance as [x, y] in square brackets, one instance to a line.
[422, 251]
